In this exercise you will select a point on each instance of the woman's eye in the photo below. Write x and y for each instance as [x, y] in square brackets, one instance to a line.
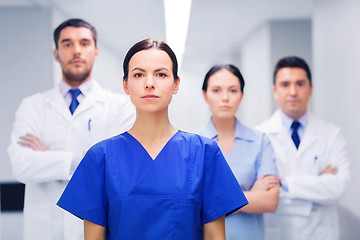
[233, 90]
[137, 75]
[162, 75]
[215, 90]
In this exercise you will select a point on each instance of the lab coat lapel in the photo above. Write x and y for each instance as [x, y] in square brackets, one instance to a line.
[277, 131]
[283, 137]
[54, 100]
[310, 135]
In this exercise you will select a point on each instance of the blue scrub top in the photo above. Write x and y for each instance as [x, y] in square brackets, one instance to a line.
[119, 186]
[251, 157]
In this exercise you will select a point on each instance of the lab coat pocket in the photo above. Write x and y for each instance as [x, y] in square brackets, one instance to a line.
[316, 165]
[97, 129]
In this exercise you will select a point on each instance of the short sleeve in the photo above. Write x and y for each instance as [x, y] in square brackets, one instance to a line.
[265, 164]
[85, 195]
[222, 192]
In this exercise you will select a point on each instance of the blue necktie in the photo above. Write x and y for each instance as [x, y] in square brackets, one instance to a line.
[295, 136]
[74, 102]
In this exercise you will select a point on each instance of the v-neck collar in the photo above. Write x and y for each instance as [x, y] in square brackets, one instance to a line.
[144, 149]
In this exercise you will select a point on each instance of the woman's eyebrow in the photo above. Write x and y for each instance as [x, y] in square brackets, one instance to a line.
[161, 69]
[138, 69]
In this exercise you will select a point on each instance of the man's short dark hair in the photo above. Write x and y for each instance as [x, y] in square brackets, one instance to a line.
[293, 62]
[73, 22]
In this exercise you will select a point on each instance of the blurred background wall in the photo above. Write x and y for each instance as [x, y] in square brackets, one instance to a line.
[250, 34]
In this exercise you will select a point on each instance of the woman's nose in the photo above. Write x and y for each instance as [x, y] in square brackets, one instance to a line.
[225, 96]
[149, 84]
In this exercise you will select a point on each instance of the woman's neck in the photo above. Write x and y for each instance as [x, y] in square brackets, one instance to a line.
[153, 131]
[225, 129]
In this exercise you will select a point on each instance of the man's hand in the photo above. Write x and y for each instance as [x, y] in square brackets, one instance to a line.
[31, 141]
[330, 169]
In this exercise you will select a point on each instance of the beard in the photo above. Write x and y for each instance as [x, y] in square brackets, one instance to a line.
[78, 77]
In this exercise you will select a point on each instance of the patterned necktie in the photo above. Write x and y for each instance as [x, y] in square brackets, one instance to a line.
[295, 136]
[74, 102]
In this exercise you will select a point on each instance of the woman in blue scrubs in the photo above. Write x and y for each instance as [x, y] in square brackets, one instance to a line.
[247, 151]
[153, 181]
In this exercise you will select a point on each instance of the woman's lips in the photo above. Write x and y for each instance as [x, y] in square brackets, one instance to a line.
[224, 107]
[150, 97]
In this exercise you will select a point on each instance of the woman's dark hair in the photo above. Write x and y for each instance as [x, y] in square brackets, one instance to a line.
[231, 68]
[148, 44]
[292, 62]
[73, 22]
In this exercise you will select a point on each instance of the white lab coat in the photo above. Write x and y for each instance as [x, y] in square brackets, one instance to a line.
[308, 210]
[101, 114]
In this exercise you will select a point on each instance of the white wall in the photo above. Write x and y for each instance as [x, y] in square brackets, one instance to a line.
[291, 37]
[25, 67]
[336, 29]
[188, 110]
[256, 69]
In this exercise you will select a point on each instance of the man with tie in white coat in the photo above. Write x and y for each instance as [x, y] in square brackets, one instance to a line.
[311, 157]
[53, 130]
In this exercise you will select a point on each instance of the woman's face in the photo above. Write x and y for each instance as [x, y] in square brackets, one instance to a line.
[223, 94]
[150, 82]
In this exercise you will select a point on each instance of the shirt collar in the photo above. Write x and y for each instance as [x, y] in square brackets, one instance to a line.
[287, 121]
[211, 130]
[242, 132]
[85, 88]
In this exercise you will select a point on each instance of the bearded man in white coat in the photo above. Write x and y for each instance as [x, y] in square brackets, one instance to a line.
[53, 130]
[311, 157]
